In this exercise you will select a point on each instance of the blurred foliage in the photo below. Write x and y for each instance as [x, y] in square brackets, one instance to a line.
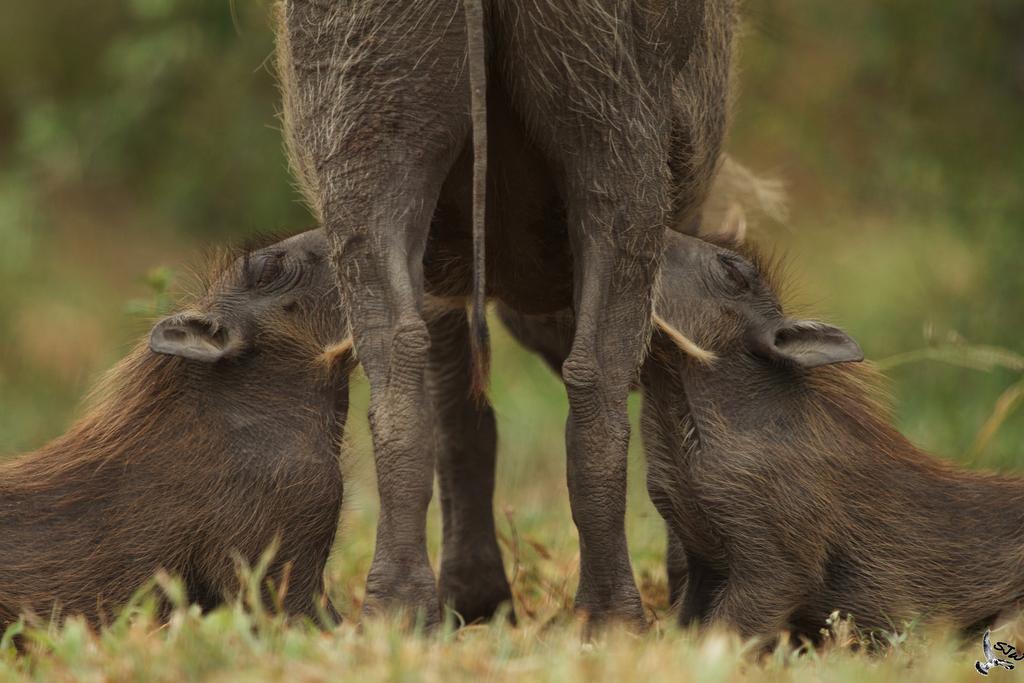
[160, 301]
[241, 641]
[168, 102]
[897, 128]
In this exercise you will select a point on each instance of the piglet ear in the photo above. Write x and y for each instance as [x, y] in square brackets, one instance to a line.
[195, 336]
[811, 344]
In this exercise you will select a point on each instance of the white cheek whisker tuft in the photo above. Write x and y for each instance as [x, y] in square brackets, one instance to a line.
[685, 344]
[335, 352]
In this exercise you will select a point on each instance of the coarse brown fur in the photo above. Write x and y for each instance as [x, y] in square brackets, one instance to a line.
[603, 120]
[188, 463]
[784, 482]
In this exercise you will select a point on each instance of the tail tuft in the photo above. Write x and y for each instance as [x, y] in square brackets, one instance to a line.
[480, 347]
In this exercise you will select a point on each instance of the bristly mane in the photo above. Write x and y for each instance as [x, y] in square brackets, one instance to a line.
[772, 266]
[132, 404]
[134, 400]
[218, 260]
[857, 391]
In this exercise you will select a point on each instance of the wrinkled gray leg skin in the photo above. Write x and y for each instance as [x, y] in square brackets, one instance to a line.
[376, 110]
[593, 85]
[616, 231]
[472, 581]
[612, 315]
[400, 576]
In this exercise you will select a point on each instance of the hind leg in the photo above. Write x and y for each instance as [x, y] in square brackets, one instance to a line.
[615, 269]
[615, 206]
[472, 577]
[378, 102]
[599, 111]
[594, 85]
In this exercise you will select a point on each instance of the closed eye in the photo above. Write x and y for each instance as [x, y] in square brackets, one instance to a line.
[272, 273]
[268, 269]
[734, 275]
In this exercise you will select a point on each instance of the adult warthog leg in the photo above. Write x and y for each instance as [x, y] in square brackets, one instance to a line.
[473, 579]
[377, 106]
[594, 85]
[615, 268]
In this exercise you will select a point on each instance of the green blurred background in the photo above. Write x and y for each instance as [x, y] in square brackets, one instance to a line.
[136, 133]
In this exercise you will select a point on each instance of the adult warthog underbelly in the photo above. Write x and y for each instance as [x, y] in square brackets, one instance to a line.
[529, 260]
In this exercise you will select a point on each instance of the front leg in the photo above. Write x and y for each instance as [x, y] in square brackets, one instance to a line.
[472, 578]
[703, 585]
[760, 594]
[773, 549]
[676, 567]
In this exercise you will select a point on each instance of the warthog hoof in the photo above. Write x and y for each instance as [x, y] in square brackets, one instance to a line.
[476, 591]
[407, 591]
[621, 605]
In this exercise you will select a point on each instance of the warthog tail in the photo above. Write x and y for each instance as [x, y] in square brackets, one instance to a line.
[479, 338]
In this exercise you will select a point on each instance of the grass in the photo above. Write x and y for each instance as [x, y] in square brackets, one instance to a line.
[239, 642]
[231, 644]
[932, 379]
[242, 641]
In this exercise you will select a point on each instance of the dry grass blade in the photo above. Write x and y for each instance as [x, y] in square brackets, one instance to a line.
[1004, 407]
[984, 358]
